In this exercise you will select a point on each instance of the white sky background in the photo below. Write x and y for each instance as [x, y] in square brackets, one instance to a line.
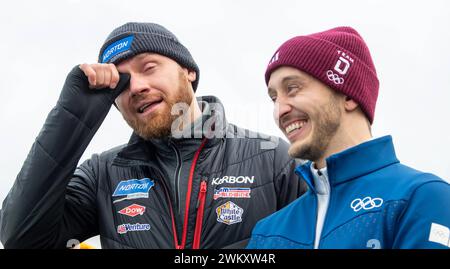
[232, 42]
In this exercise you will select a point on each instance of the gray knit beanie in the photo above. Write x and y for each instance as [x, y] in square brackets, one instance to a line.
[134, 38]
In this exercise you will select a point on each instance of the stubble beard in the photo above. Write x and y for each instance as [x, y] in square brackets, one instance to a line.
[326, 125]
[158, 124]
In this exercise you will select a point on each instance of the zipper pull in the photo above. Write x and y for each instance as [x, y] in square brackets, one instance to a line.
[203, 189]
[203, 186]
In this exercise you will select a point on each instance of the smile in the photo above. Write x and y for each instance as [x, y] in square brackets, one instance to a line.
[295, 126]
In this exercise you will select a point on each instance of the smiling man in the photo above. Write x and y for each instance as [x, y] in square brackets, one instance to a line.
[324, 87]
[186, 178]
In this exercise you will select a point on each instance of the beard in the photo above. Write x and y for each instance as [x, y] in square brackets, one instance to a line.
[327, 123]
[158, 124]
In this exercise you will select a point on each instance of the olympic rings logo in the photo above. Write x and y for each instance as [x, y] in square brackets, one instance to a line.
[335, 78]
[366, 203]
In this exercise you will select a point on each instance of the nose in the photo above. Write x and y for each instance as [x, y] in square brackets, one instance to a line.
[138, 85]
[282, 107]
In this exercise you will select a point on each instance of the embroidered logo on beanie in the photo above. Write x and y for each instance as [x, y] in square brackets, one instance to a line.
[117, 47]
[341, 67]
[339, 58]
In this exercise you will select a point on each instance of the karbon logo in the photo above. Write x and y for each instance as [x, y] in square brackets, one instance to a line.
[340, 69]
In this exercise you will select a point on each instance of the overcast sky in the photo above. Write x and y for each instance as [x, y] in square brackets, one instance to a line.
[232, 41]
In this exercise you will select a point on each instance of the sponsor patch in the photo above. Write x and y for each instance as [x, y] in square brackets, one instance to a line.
[233, 180]
[127, 227]
[229, 213]
[117, 47]
[225, 192]
[133, 189]
[133, 210]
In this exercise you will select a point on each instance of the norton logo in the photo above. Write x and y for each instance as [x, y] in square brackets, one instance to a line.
[133, 189]
[229, 213]
[133, 210]
[233, 180]
[127, 227]
[117, 47]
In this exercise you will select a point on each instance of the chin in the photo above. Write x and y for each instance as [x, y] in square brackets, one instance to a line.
[295, 150]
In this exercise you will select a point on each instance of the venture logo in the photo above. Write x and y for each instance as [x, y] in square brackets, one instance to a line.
[127, 227]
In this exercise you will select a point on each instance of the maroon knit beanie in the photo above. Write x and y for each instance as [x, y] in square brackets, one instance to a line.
[338, 57]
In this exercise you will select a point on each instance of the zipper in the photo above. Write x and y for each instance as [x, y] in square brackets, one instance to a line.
[328, 198]
[188, 194]
[177, 243]
[177, 177]
[174, 227]
[200, 212]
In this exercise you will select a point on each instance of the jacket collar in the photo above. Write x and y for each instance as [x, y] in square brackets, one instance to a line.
[140, 149]
[354, 162]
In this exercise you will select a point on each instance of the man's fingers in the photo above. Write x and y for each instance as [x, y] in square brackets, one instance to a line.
[90, 73]
[107, 74]
[114, 77]
[101, 75]
[100, 71]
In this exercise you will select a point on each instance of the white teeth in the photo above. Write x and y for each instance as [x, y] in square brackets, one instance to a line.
[294, 126]
[143, 107]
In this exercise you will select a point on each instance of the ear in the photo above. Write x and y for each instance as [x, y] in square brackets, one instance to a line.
[350, 104]
[191, 75]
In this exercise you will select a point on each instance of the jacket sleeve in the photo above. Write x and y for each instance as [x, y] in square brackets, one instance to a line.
[425, 223]
[288, 185]
[51, 200]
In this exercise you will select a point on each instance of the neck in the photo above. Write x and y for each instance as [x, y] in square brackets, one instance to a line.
[352, 132]
[195, 111]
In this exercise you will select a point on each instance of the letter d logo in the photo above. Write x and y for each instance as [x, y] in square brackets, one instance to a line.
[342, 66]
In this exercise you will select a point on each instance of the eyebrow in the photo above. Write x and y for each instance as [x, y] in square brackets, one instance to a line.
[293, 77]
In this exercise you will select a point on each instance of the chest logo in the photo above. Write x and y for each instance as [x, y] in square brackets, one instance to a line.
[229, 213]
[133, 189]
[225, 192]
[366, 203]
[133, 210]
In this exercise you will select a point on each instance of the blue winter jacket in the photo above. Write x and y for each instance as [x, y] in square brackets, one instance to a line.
[374, 202]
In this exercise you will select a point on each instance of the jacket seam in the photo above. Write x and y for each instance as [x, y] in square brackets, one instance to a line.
[274, 236]
[413, 192]
[284, 167]
[75, 116]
